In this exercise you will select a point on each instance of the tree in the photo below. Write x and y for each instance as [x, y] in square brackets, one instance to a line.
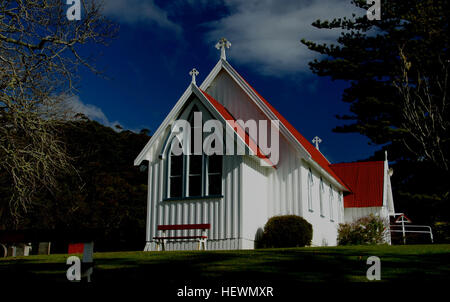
[40, 53]
[106, 197]
[369, 54]
[397, 68]
[426, 111]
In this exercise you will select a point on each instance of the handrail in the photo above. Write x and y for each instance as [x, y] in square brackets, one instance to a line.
[413, 226]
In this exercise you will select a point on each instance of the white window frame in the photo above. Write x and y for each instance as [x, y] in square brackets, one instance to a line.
[331, 198]
[340, 207]
[186, 171]
[321, 193]
[310, 184]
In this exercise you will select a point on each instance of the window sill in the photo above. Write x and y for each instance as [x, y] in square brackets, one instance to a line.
[192, 198]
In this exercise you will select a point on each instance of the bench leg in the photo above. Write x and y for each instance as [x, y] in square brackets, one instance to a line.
[202, 243]
[161, 244]
[147, 247]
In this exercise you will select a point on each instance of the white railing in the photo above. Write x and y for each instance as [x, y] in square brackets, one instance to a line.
[401, 224]
[404, 229]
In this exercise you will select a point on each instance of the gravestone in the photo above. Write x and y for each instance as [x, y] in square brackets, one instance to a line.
[44, 248]
[19, 250]
[27, 249]
[12, 251]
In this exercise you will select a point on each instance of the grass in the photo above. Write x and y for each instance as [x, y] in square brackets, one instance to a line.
[427, 263]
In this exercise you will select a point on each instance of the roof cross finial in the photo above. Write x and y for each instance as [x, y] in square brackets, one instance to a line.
[193, 73]
[317, 140]
[222, 44]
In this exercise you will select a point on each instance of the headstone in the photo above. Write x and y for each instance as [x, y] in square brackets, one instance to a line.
[4, 250]
[12, 251]
[44, 248]
[19, 250]
[27, 249]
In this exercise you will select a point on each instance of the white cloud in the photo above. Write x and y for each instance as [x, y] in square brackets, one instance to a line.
[268, 32]
[91, 111]
[138, 11]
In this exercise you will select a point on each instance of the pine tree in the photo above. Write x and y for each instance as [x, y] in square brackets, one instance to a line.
[408, 47]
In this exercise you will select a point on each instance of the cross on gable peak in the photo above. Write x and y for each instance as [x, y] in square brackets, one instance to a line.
[317, 140]
[222, 45]
[193, 73]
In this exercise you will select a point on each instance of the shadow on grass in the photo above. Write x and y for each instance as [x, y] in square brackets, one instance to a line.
[269, 267]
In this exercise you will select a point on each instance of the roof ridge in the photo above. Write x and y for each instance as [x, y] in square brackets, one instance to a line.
[357, 163]
[315, 154]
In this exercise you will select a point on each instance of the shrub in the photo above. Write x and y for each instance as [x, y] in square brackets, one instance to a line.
[286, 231]
[366, 230]
[442, 232]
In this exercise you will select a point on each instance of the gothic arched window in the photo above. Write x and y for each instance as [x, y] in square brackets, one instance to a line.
[195, 174]
[175, 179]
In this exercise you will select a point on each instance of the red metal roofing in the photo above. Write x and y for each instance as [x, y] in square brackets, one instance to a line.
[315, 154]
[232, 122]
[365, 180]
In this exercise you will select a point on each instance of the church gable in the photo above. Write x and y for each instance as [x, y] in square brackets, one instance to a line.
[226, 85]
[228, 93]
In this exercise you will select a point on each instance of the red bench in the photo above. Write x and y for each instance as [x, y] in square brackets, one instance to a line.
[162, 240]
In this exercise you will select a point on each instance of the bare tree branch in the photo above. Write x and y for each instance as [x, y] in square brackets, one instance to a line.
[425, 110]
[39, 59]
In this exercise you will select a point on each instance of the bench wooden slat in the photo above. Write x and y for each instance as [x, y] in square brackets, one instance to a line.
[161, 240]
[182, 237]
[184, 227]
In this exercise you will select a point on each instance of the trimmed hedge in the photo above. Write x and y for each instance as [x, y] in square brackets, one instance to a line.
[286, 231]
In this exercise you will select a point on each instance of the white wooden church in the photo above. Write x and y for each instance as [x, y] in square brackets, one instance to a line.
[236, 194]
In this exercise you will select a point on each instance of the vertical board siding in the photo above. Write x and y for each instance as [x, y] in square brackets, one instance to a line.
[222, 213]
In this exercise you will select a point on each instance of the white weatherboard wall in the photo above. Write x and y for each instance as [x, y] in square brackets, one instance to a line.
[255, 198]
[223, 214]
[324, 230]
[352, 214]
[286, 193]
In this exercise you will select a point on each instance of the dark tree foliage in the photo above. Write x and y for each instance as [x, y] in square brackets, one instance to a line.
[367, 55]
[107, 197]
[41, 53]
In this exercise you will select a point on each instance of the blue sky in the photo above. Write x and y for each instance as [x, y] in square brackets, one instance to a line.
[159, 42]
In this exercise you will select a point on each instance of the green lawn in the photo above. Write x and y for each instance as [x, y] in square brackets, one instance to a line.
[277, 266]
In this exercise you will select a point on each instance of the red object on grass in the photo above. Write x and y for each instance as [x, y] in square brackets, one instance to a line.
[76, 248]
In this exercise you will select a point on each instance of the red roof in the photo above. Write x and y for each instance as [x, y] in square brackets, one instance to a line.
[365, 180]
[232, 122]
[315, 154]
